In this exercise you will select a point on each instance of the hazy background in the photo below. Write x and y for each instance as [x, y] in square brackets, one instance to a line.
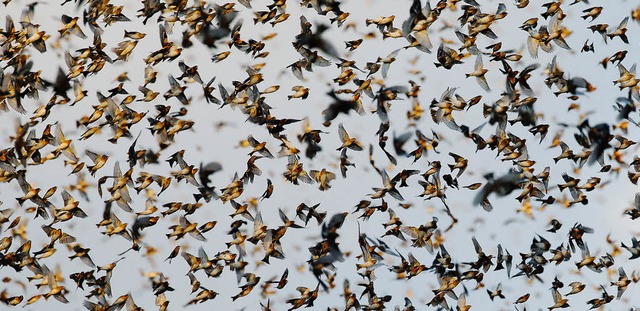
[209, 142]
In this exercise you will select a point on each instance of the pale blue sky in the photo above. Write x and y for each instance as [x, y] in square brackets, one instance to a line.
[207, 143]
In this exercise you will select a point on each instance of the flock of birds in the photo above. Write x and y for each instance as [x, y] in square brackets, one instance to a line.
[122, 116]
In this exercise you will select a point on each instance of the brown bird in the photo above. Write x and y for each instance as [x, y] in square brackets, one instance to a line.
[71, 26]
[347, 141]
[282, 282]
[620, 31]
[99, 160]
[323, 178]
[558, 301]
[295, 172]
[479, 72]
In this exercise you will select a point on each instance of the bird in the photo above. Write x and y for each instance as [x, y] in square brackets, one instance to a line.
[348, 141]
[479, 72]
[323, 178]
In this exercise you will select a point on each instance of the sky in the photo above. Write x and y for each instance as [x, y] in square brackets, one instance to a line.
[217, 132]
